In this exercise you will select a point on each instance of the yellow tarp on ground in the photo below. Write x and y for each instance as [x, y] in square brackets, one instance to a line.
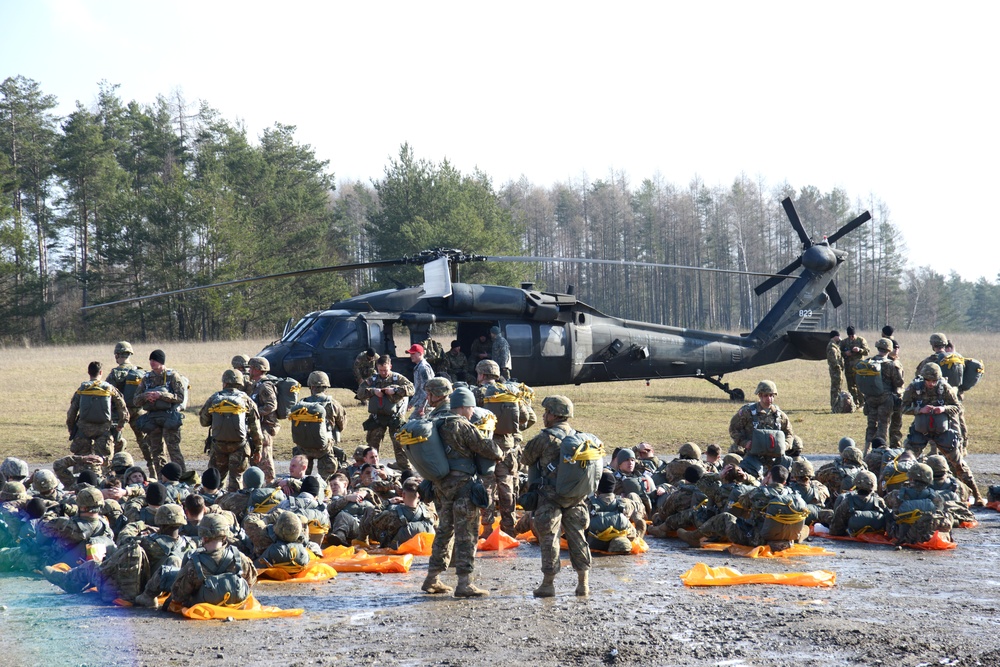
[639, 545]
[703, 575]
[313, 572]
[348, 559]
[418, 545]
[250, 608]
[765, 551]
[938, 542]
[497, 541]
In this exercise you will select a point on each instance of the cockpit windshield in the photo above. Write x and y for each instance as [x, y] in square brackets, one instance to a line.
[309, 331]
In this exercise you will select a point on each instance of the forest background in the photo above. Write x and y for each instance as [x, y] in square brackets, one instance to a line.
[123, 199]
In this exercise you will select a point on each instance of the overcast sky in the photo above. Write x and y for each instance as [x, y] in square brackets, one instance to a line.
[891, 100]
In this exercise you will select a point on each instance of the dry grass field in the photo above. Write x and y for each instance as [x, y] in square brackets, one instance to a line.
[36, 385]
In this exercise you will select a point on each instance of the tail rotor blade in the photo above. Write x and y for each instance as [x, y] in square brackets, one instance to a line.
[793, 218]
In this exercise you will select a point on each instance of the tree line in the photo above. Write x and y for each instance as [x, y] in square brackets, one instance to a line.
[121, 199]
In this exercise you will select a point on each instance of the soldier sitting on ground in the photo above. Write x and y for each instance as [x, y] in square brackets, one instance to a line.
[917, 510]
[955, 493]
[689, 454]
[217, 572]
[400, 521]
[615, 522]
[645, 460]
[254, 497]
[839, 477]
[861, 510]
[681, 506]
[345, 509]
[813, 492]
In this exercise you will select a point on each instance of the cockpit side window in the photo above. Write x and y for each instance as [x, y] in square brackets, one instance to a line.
[297, 330]
[343, 334]
[314, 334]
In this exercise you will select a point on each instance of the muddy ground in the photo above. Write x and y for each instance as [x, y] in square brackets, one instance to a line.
[888, 608]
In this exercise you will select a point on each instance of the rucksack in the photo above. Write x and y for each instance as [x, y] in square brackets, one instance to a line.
[973, 372]
[427, 451]
[578, 470]
[952, 367]
[844, 405]
[287, 391]
[865, 517]
[219, 587]
[868, 373]
[124, 573]
[607, 520]
[503, 401]
[95, 402]
[767, 442]
[229, 421]
[130, 384]
[485, 422]
[309, 427]
[784, 517]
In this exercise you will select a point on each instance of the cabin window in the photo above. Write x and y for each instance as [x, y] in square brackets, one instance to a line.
[553, 340]
[343, 334]
[519, 338]
[312, 335]
[375, 335]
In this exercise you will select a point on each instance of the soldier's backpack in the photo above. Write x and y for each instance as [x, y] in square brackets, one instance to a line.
[578, 470]
[502, 400]
[767, 442]
[952, 367]
[287, 391]
[427, 451]
[972, 373]
[844, 404]
[784, 517]
[95, 402]
[130, 384]
[219, 587]
[868, 373]
[486, 423]
[866, 515]
[124, 572]
[229, 417]
[309, 427]
[607, 520]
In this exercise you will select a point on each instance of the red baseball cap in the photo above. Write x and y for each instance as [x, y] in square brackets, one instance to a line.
[416, 347]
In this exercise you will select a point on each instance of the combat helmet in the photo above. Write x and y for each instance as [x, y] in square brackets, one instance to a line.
[232, 376]
[802, 468]
[240, 361]
[13, 491]
[883, 344]
[558, 405]
[319, 379]
[260, 363]
[122, 461]
[123, 348]
[766, 387]
[844, 443]
[922, 473]
[488, 367]
[938, 340]
[852, 455]
[89, 499]
[865, 481]
[13, 468]
[44, 481]
[438, 386]
[213, 527]
[938, 464]
[931, 371]
[288, 527]
[170, 515]
[689, 450]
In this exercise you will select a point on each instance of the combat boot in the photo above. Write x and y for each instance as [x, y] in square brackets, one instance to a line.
[466, 589]
[547, 589]
[434, 585]
[57, 577]
[583, 583]
[690, 537]
[144, 599]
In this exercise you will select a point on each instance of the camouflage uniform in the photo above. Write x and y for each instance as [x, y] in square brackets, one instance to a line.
[500, 485]
[69, 467]
[118, 377]
[395, 525]
[910, 526]
[478, 347]
[385, 411]
[265, 395]
[851, 357]
[605, 508]
[230, 457]
[879, 409]
[336, 419]
[500, 353]
[550, 517]
[849, 505]
[364, 367]
[750, 529]
[93, 437]
[942, 395]
[835, 360]
[455, 365]
[189, 582]
[752, 416]
[163, 417]
[457, 515]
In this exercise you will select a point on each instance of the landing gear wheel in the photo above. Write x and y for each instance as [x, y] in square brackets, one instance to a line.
[737, 395]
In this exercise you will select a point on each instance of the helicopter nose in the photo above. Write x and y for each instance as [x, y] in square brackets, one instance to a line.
[819, 258]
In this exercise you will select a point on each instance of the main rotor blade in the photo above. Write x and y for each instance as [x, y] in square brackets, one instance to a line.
[240, 281]
[793, 217]
[834, 294]
[771, 282]
[849, 227]
[616, 262]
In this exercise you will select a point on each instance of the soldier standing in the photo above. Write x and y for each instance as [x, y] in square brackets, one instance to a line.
[854, 348]
[835, 360]
[265, 395]
[500, 352]
[90, 415]
[386, 393]
[364, 365]
[551, 516]
[161, 393]
[317, 422]
[241, 363]
[235, 428]
[125, 377]
[938, 342]
[879, 408]
[763, 414]
[457, 514]
[422, 372]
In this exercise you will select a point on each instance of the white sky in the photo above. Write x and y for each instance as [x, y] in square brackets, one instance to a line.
[884, 99]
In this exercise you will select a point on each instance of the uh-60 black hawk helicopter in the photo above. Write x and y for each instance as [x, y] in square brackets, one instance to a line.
[555, 338]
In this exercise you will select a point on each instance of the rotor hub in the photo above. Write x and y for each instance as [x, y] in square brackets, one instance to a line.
[819, 258]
